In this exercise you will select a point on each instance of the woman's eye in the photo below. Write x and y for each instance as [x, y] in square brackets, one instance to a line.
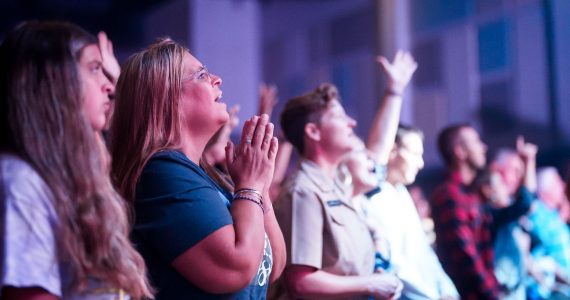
[202, 75]
[96, 69]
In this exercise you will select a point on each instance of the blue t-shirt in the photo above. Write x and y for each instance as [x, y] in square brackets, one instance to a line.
[177, 205]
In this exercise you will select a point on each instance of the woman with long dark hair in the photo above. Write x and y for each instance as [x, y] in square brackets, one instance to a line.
[64, 227]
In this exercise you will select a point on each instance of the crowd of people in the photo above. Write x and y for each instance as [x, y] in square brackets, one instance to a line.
[122, 182]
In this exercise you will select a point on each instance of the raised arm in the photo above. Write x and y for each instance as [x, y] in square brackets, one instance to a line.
[383, 131]
[215, 150]
[267, 101]
[281, 164]
[527, 152]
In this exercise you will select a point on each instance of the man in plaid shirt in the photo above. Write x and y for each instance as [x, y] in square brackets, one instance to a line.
[462, 227]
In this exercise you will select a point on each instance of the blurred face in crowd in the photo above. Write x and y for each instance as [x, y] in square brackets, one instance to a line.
[406, 159]
[361, 167]
[496, 192]
[471, 149]
[512, 172]
[334, 132]
[552, 193]
[95, 87]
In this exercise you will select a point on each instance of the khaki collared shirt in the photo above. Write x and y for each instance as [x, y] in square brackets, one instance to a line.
[320, 226]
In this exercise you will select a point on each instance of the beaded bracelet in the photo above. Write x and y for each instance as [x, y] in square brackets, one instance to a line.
[240, 197]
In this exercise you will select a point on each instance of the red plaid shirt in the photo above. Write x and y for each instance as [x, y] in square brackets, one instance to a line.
[463, 242]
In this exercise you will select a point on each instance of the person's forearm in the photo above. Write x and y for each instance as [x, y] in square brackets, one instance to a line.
[281, 164]
[27, 293]
[384, 127]
[513, 212]
[530, 175]
[277, 241]
[249, 233]
[323, 285]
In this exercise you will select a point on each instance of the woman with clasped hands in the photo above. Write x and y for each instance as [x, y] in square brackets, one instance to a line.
[199, 240]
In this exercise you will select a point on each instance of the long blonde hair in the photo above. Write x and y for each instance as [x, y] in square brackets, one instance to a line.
[42, 121]
[147, 116]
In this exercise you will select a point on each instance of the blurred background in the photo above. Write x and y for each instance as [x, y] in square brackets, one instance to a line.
[501, 65]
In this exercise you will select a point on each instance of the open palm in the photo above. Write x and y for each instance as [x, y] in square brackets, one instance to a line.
[399, 72]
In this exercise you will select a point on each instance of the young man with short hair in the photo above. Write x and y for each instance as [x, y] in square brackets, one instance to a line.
[330, 250]
[463, 237]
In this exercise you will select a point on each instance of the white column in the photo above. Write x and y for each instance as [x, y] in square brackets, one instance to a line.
[395, 33]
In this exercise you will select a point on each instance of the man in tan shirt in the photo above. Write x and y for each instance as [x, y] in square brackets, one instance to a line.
[317, 214]
[330, 249]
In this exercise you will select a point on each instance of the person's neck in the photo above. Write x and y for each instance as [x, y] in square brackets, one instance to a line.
[327, 164]
[193, 146]
[466, 173]
[392, 178]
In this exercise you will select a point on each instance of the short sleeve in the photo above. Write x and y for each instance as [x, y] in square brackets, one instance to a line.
[176, 207]
[306, 229]
[29, 246]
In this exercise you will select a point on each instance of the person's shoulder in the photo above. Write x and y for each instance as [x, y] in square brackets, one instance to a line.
[170, 172]
[169, 159]
[447, 188]
[15, 169]
[297, 186]
[20, 180]
[297, 179]
[301, 184]
[170, 164]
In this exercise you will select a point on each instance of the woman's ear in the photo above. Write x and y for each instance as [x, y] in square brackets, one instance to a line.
[393, 152]
[312, 132]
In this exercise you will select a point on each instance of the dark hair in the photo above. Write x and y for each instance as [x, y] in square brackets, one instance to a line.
[305, 109]
[447, 140]
[42, 121]
[404, 129]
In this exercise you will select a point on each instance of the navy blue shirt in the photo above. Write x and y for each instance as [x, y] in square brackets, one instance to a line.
[176, 206]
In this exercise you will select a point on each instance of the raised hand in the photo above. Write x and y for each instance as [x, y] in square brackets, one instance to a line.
[252, 162]
[111, 65]
[398, 72]
[527, 151]
[267, 99]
